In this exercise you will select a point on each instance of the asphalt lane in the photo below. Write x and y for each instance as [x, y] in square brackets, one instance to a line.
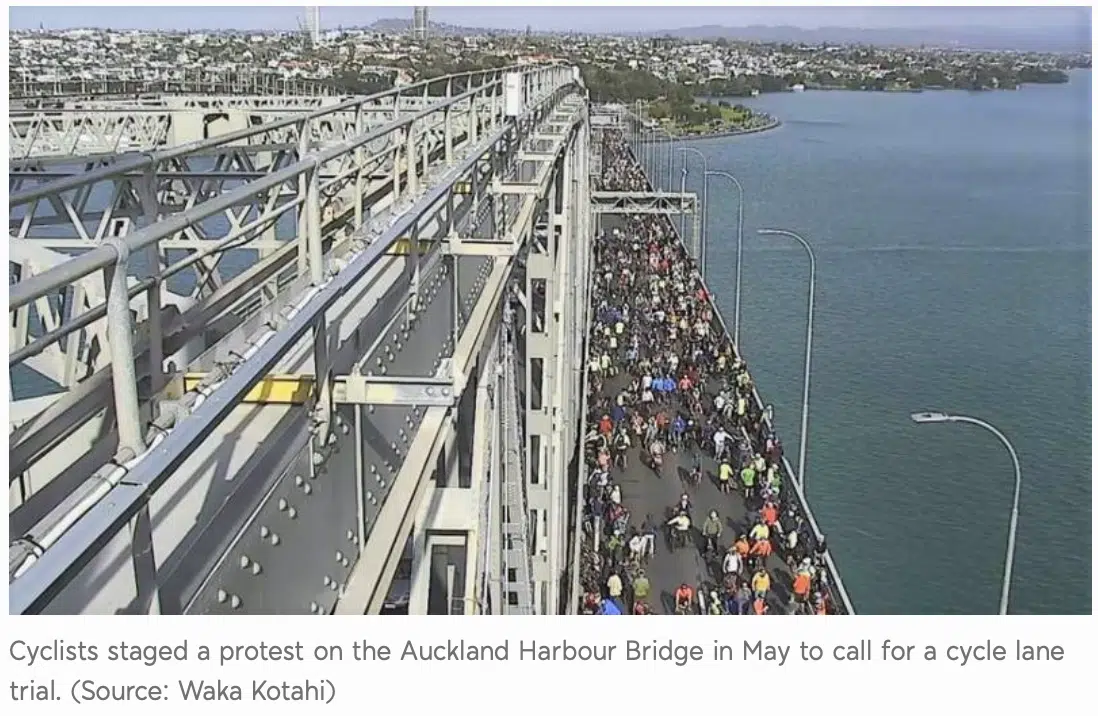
[649, 496]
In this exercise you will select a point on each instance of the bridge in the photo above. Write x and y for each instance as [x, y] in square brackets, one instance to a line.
[276, 355]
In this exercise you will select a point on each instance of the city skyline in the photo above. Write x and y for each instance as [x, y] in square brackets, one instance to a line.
[550, 19]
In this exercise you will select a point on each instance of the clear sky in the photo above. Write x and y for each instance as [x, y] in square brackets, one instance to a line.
[578, 19]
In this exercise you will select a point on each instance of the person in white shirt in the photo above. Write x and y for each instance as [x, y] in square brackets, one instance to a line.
[733, 564]
[720, 438]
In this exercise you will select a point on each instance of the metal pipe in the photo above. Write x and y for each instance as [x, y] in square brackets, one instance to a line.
[807, 341]
[120, 338]
[1008, 568]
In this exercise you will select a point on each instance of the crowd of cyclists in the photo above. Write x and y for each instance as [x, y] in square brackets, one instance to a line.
[665, 385]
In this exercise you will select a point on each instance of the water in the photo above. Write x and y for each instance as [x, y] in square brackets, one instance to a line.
[952, 233]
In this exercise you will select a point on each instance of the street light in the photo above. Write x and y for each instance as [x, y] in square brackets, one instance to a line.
[807, 343]
[670, 157]
[739, 250]
[704, 238]
[1008, 570]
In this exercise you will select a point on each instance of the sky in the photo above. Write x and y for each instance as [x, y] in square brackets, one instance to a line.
[548, 18]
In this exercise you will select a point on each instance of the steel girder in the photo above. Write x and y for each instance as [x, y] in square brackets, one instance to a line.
[206, 83]
[641, 202]
[42, 139]
[77, 556]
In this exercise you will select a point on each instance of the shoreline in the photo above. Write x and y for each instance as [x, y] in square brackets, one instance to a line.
[774, 124]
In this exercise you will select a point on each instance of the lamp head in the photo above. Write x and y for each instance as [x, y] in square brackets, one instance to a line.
[930, 417]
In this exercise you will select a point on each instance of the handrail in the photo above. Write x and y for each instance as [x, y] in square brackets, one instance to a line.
[22, 293]
[836, 580]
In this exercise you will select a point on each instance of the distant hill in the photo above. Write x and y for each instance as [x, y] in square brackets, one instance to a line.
[1069, 38]
[398, 24]
[1074, 38]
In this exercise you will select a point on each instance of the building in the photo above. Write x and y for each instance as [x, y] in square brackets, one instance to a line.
[419, 23]
[312, 25]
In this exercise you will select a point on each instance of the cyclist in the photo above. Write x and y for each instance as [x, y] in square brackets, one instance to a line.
[696, 472]
[680, 529]
[711, 530]
[715, 606]
[733, 563]
[725, 475]
[684, 599]
[656, 450]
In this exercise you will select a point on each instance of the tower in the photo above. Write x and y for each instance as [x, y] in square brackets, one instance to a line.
[312, 25]
[419, 23]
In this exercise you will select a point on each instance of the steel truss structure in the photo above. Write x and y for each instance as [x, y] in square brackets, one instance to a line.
[204, 82]
[657, 202]
[99, 130]
[409, 225]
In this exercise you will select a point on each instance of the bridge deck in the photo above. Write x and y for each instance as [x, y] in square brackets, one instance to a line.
[648, 495]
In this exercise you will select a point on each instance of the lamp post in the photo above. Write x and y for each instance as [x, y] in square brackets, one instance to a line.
[807, 343]
[1008, 569]
[739, 250]
[704, 238]
[682, 215]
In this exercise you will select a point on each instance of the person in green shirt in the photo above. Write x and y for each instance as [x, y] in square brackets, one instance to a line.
[711, 530]
[747, 476]
[726, 474]
[641, 587]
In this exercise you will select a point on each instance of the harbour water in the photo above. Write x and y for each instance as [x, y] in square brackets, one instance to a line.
[953, 237]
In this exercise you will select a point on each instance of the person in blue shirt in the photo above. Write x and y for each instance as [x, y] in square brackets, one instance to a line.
[617, 414]
[678, 427]
[608, 608]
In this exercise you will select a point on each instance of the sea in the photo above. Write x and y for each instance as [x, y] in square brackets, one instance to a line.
[952, 232]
